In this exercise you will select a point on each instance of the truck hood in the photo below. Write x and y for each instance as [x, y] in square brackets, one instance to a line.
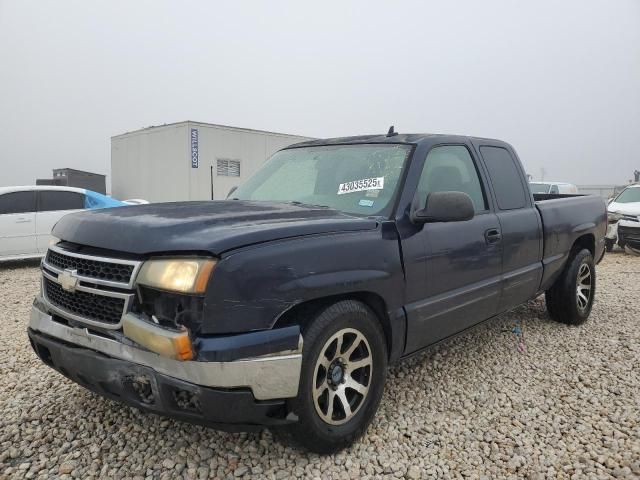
[631, 208]
[209, 226]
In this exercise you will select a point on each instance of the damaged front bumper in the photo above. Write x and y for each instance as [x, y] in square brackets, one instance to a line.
[624, 232]
[236, 394]
[612, 232]
[628, 233]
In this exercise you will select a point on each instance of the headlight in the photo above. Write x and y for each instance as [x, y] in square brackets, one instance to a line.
[614, 217]
[185, 275]
[53, 240]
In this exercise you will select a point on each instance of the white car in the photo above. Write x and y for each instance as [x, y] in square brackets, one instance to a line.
[624, 219]
[27, 215]
[561, 188]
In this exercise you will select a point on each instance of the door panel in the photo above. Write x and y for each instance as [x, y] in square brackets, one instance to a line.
[17, 234]
[17, 223]
[521, 265]
[521, 227]
[461, 262]
[462, 280]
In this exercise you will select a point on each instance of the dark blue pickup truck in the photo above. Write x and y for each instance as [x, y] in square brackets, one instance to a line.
[283, 305]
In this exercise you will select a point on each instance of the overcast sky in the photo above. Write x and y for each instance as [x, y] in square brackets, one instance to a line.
[558, 80]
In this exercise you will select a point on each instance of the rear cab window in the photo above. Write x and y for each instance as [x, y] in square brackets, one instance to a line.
[505, 178]
[18, 202]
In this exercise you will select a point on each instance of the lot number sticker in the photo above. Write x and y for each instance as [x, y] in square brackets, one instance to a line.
[361, 185]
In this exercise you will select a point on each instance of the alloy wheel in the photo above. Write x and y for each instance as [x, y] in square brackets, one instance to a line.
[583, 286]
[342, 376]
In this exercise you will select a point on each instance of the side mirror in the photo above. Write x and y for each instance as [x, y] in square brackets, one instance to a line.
[444, 207]
[233, 189]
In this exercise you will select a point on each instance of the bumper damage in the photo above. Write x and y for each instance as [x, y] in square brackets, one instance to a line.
[624, 232]
[629, 233]
[243, 394]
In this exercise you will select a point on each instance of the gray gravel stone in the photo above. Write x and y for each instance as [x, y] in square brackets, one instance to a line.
[413, 472]
[66, 468]
[472, 407]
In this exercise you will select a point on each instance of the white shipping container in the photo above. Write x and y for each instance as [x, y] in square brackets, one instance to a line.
[189, 160]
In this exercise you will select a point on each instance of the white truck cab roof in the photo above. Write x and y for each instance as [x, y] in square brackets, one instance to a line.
[28, 188]
[553, 187]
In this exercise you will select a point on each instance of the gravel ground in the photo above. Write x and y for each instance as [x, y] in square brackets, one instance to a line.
[473, 407]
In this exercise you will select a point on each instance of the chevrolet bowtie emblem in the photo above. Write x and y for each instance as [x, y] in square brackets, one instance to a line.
[68, 280]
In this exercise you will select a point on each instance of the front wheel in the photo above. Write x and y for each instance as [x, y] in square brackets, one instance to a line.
[344, 365]
[570, 299]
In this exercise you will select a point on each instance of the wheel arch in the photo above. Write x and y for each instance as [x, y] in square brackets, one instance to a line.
[586, 241]
[555, 266]
[304, 312]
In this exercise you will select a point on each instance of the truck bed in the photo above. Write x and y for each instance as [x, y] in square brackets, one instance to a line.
[541, 197]
[565, 218]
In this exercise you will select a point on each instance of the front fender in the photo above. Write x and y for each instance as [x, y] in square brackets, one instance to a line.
[251, 287]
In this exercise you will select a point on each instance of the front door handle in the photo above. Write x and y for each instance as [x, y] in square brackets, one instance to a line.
[492, 236]
[23, 220]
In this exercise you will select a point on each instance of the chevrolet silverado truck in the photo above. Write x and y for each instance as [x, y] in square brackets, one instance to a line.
[282, 306]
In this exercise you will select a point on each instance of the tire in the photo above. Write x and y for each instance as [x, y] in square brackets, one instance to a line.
[608, 244]
[318, 429]
[567, 304]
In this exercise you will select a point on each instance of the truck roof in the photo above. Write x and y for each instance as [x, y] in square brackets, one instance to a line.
[412, 138]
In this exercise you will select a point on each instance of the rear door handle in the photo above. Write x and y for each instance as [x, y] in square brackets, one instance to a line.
[492, 236]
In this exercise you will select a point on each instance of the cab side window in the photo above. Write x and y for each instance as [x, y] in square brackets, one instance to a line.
[450, 168]
[554, 189]
[505, 178]
[51, 200]
[18, 202]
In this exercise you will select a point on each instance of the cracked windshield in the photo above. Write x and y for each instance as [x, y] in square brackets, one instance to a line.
[355, 179]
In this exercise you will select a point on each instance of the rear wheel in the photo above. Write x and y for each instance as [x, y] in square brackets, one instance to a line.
[344, 365]
[570, 299]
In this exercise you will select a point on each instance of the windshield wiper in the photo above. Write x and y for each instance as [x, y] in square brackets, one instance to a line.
[295, 202]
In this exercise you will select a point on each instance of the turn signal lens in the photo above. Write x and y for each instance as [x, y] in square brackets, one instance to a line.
[185, 275]
[176, 345]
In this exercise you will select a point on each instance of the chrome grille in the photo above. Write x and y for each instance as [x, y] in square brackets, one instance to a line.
[94, 290]
[110, 272]
[95, 269]
[97, 308]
